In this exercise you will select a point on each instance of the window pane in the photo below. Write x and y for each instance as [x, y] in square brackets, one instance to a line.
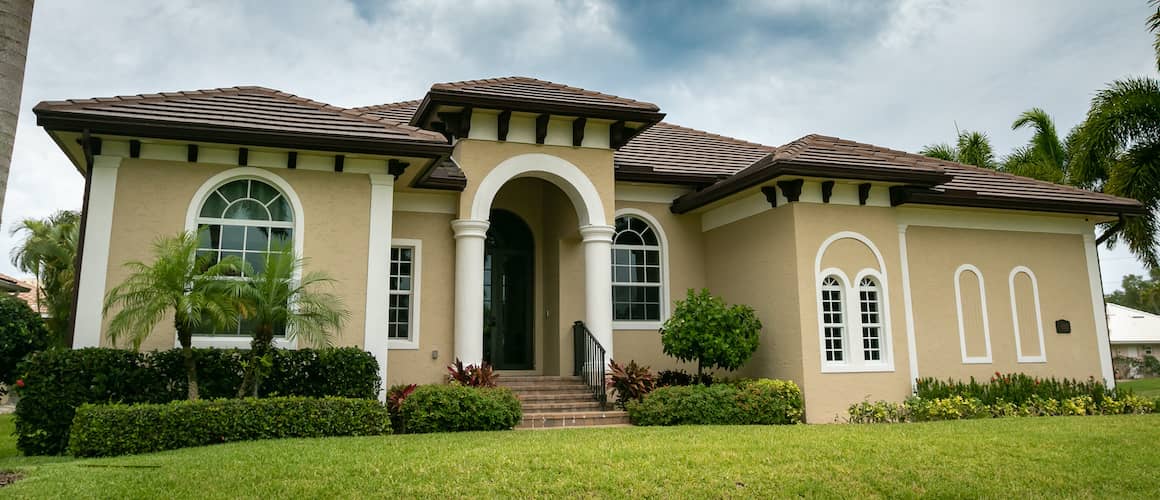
[247, 210]
[652, 275]
[234, 190]
[233, 237]
[620, 311]
[214, 206]
[208, 236]
[257, 239]
[280, 238]
[262, 192]
[257, 261]
[280, 210]
[649, 237]
[652, 258]
[628, 238]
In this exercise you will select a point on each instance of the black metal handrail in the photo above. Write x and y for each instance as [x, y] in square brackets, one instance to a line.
[589, 361]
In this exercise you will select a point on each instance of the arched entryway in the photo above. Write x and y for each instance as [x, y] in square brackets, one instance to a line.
[508, 283]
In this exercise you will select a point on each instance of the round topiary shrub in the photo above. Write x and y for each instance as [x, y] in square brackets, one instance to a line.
[706, 330]
[22, 332]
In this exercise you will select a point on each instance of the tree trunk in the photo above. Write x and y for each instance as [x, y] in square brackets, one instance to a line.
[259, 348]
[15, 24]
[186, 339]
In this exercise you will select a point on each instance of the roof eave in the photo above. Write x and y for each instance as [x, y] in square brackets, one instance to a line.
[53, 120]
[436, 97]
[902, 196]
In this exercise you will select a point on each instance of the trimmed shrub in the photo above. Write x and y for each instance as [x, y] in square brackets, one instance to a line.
[1014, 388]
[22, 332]
[120, 429]
[917, 409]
[56, 382]
[453, 408]
[706, 330]
[668, 378]
[751, 402]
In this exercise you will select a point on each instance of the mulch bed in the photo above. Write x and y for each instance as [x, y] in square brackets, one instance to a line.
[7, 478]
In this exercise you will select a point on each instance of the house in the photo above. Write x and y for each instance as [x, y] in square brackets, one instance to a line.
[1133, 333]
[482, 221]
[12, 285]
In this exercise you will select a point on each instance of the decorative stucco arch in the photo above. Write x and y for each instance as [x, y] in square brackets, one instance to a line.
[560, 172]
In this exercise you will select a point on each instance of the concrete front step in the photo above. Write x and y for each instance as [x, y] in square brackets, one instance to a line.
[546, 387]
[506, 379]
[561, 406]
[557, 397]
[573, 419]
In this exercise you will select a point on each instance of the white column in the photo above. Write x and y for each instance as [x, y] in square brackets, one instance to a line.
[95, 258]
[469, 238]
[911, 342]
[598, 283]
[1103, 347]
[379, 272]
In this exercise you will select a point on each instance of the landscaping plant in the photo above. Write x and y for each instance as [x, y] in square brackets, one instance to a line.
[395, 397]
[22, 332]
[454, 408]
[666, 378]
[706, 330]
[274, 302]
[471, 375]
[178, 281]
[631, 382]
[49, 252]
[748, 402]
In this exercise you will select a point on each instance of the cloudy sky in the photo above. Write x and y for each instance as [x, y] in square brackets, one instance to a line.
[900, 74]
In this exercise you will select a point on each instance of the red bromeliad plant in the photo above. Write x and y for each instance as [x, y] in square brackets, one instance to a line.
[630, 381]
[472, 375]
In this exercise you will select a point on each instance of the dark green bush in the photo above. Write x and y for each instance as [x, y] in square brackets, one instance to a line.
[57, 382]
[706, 330]
[120, 429]
[666, 378]
[452, 408]
[22, 332]
[751, 402]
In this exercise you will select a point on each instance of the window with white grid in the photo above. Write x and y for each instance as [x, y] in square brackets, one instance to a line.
[833, 324]
[871, 316]
[636, 271]
[400, 309]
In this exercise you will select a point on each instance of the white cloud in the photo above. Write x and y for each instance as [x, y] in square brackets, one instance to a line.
[899, 75]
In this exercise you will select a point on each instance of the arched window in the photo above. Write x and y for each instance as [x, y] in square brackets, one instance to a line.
[870, 307]
[245, 218]
[636, 271]
[833, 324]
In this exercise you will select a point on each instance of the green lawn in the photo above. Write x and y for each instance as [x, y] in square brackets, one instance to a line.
[1146, 387]
[1016, 457]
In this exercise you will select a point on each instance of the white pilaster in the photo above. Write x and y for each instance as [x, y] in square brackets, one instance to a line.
[378, 272]
[598, 282]
[911, 342]
[95, 259]
[469, 238]
[1103, 347]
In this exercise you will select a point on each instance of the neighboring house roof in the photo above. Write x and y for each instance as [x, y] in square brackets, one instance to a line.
[240, 115]
[1132, 326]
[11, 285]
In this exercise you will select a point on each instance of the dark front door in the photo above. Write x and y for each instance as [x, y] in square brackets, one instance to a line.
[507, 293]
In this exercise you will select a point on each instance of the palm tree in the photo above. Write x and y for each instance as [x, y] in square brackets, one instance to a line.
[1045, 157]
[971, 148]
[192, 287]
[15, 24]
[49, 253]
[273, 302]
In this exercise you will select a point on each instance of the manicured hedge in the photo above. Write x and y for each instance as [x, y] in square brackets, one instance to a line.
[22, 332]
[748, 402]
[56, 382]
[119, 429]
[452, 408]
[918, 409]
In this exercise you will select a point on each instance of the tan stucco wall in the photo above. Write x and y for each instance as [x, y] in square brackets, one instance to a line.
[686, 260]
[152, 198]
[1060, 267]
[436, 301]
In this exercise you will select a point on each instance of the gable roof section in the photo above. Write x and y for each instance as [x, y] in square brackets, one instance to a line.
[672, 153]
[396, 111]
[241, 115]
[1132, 326]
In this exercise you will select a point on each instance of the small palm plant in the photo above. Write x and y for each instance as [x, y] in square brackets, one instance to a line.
[180, 282]
[273, 302]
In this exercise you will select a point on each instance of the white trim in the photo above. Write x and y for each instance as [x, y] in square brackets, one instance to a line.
[1042, 357]
[995, 220]
[665, 295]
[734, 211]
[468, 321]
[644, 193]
[597, 241]
[1100, 314]
[959, 309]
[416, 287]
[844, 284]
[911, 342]
[95, 261]
[566, 176]
[191, 217]
[379, 230]
[430, 203]
[852, 363]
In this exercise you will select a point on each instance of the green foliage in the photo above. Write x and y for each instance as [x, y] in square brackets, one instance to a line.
[971, 148]
[472, 375]
[751, 402]
[22, 332]
[1138, 292]
[455, 408]
[273, 302]
[706, 330]
[917, 409]
[631, 382]
[666, 378]
[49, 252]
[395, 397]
[122, 429]
[1013, 388]
[56, 382]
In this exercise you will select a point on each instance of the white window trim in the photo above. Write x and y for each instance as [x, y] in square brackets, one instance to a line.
[191, 222]
[416, 288]
[1042, 357]
[663, 240]
[853, 358]
[971, 360]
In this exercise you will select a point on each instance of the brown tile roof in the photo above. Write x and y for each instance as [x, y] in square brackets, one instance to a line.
[234, 114]
[397, 111]
[531, 89]
[10, 284]
[676, 152]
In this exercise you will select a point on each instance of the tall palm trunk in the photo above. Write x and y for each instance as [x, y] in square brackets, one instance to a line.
[15, 24]
[185, 337]
[259, 350]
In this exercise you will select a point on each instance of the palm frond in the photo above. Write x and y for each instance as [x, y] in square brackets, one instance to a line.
[1045, 143]
[942, 151]
[975, 149]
